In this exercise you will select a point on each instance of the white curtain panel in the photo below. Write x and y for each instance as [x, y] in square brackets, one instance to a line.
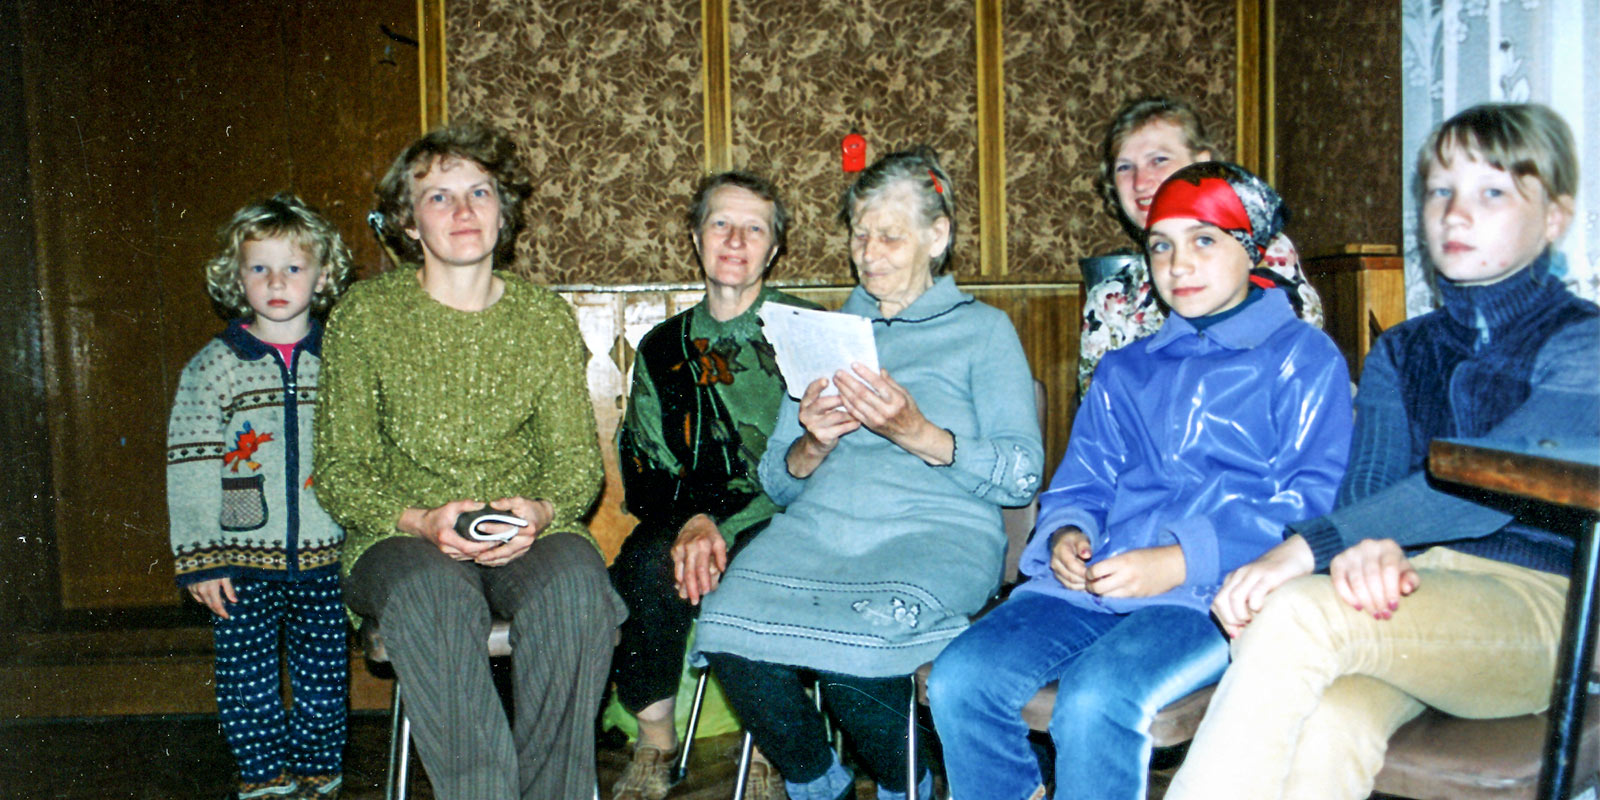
[1458, 53]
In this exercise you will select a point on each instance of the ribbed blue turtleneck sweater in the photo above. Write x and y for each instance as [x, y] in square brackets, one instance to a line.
[1517, 360]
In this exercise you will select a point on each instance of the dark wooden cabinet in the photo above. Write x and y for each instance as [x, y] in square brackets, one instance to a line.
[1362, 296]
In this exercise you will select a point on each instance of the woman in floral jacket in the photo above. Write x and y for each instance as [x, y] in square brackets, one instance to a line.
[1149, 139]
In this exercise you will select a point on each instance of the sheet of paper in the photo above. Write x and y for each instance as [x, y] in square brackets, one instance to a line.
[815, 344]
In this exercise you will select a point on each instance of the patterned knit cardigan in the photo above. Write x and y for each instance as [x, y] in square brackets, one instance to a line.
[239, 494]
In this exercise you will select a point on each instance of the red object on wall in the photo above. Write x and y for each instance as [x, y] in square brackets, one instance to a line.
[854, 151]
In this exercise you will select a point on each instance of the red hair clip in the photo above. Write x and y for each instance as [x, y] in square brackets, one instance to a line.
[937, 186]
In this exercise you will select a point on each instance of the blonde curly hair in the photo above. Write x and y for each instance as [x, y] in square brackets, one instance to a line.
[285, 215]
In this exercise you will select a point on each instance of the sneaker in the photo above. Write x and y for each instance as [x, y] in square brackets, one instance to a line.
[282, 787]
[647, 777]
[320, 787]
[765, 783]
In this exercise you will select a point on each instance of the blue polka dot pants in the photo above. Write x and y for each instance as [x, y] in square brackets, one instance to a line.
[266, 739]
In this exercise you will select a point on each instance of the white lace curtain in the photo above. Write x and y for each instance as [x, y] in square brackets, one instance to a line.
[1458, 53]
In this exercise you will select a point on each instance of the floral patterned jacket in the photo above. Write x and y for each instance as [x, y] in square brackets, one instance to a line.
[1124, 308]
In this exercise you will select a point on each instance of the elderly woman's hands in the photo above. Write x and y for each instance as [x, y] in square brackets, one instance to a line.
[699, 557]
[887, 409]
[825, 420]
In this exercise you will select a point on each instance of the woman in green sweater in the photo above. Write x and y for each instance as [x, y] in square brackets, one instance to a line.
[448, 387]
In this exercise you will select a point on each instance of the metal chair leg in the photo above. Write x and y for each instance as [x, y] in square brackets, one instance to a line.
[744, 767]
[911, 743]
[399, 749]
[681, 770]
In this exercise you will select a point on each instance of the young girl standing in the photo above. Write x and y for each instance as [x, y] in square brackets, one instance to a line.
[249, 540]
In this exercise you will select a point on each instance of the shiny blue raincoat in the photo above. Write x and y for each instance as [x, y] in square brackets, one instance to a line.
[1212, 440]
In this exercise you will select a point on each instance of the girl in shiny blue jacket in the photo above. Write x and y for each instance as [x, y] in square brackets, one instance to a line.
[1192, 450]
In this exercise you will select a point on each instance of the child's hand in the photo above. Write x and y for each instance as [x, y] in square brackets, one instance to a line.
[538, 513]
[1373, 575]
[211, 594]
[1069, 554]
[1145, 572]
[1245, 589]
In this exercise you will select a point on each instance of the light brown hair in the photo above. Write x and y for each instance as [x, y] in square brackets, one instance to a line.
[491, 150]
[283, 215]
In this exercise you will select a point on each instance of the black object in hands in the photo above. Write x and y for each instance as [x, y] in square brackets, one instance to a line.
[468, 524]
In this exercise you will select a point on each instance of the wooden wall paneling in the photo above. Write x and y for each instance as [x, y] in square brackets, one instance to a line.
[352, 70]
[432, 64]
[1068, 67]
[1252, 88]
[166, 136]
[1361, 297]
[142, 137]
[27, 555]
[714, 81]
[805, 73]
[991, 186]
[1339, 162]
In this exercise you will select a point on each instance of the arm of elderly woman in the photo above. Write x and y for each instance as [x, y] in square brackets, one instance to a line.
[823, 420]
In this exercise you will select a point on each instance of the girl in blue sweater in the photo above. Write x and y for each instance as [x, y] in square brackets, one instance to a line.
[1433, 597]
[1191, 450]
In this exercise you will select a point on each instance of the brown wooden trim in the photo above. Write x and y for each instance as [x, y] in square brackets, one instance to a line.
[1551, 480]
[1268, 144]
[1351, 262]
[1248, 96]
[716, 85]
[431, 64]
[991, 139]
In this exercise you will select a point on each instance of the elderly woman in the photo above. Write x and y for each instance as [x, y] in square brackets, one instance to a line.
[447, 386]
[708, 372]
[893, 483]
[1149, 139]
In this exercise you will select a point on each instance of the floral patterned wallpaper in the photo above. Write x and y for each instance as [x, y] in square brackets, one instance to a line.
[805, 73]
[1068, 67]
[1338, 123]
[604, 101]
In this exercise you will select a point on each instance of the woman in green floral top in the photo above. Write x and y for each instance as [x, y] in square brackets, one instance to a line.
[447, 387]
[705, 395]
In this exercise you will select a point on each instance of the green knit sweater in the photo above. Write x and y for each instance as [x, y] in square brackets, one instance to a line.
[423, 404]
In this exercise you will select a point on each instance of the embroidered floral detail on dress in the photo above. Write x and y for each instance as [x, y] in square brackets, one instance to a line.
[899, 612]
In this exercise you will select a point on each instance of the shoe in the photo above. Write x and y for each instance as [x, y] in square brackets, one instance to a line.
[282, 787]
[648, 775]
[765, 783]
[320, 787]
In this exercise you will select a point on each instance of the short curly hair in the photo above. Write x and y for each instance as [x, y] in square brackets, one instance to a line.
[1136, 114]
[282, 215]
[918, 169]
[483, 145]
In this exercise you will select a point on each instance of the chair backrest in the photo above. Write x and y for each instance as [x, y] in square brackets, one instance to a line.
[1019, 521]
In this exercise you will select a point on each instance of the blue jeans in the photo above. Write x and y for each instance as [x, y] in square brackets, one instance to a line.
[1116, 671]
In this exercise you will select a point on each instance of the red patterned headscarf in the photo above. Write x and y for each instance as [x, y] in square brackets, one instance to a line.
[1226, 195]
